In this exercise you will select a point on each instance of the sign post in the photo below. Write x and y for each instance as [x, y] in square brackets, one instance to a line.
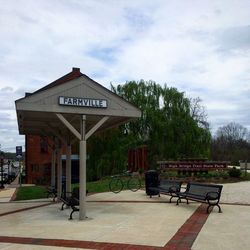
[2, 157]
[19, 155]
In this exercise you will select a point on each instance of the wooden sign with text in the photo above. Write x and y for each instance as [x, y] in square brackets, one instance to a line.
[192, 166]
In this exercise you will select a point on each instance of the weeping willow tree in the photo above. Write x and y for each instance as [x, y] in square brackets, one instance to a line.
[168, 126]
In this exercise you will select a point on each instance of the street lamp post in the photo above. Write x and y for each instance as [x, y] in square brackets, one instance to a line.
[19, 154]
[2, 186]
[8, 171]
[20, 173]
[245, 167]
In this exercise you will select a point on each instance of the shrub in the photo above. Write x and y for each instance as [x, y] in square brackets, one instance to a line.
[234, 172]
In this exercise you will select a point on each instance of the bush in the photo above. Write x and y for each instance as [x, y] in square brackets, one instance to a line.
[168, 174]
[234, 172]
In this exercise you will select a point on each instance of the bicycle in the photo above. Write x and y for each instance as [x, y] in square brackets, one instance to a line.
[118, 182]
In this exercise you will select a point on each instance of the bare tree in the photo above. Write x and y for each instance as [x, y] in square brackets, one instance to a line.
[231, 143]
[198, 112]
[232, 132]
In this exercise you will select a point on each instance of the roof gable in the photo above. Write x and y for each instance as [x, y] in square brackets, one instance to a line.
[74, 74]
[38, 112]
[46, 99]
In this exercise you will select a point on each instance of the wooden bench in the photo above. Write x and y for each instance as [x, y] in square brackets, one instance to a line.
[168, 187]
[205, 193]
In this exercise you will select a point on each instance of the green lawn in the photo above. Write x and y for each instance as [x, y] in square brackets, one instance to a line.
[38, 192]
[32, 192]
[96, 186]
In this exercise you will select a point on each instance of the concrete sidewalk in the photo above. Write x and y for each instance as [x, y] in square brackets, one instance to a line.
[129, 220]
[6, 194]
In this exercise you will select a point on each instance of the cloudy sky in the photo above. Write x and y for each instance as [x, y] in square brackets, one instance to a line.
[200, 47]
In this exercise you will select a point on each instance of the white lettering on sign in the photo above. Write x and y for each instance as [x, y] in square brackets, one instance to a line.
[83, 102]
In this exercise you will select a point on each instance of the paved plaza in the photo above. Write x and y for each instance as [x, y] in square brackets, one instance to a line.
[127, 220]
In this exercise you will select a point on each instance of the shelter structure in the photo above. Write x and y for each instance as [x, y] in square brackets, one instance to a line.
[73, 107]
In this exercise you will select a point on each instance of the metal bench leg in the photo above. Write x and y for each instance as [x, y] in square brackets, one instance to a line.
[178, 201]
[215, 204]
[74, 209]
[220, 211]
[70, 217]
[62, 206]
[208, 208]
[54, 197]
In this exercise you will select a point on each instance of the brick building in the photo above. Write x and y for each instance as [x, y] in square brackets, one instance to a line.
[39, 156]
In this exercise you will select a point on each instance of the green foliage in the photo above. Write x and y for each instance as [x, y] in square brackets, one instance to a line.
[107, 154]
[167, 126]
[234, 172]
[11, 156]
[168, 174]
[246, 177]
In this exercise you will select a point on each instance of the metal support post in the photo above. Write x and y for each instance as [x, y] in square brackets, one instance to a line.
[53, 169]
[82, 154]
[59, 173]
[68, 169]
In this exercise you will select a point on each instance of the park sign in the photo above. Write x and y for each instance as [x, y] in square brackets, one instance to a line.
[192, 165]
[82, 102]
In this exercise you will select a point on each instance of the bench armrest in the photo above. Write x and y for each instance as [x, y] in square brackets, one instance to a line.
[212, 196]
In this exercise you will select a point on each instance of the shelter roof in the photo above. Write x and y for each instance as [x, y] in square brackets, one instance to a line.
[37, 112]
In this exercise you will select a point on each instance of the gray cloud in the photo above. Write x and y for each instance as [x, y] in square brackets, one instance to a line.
[233, 39]
[200, 47]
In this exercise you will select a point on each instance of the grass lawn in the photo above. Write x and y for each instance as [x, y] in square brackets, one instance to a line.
[96, 186]
[38, 192]
[32, 192]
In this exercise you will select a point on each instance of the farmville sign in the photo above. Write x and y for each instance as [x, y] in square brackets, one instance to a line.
[82, 102]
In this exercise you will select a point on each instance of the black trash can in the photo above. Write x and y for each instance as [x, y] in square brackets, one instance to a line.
[151, 180]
